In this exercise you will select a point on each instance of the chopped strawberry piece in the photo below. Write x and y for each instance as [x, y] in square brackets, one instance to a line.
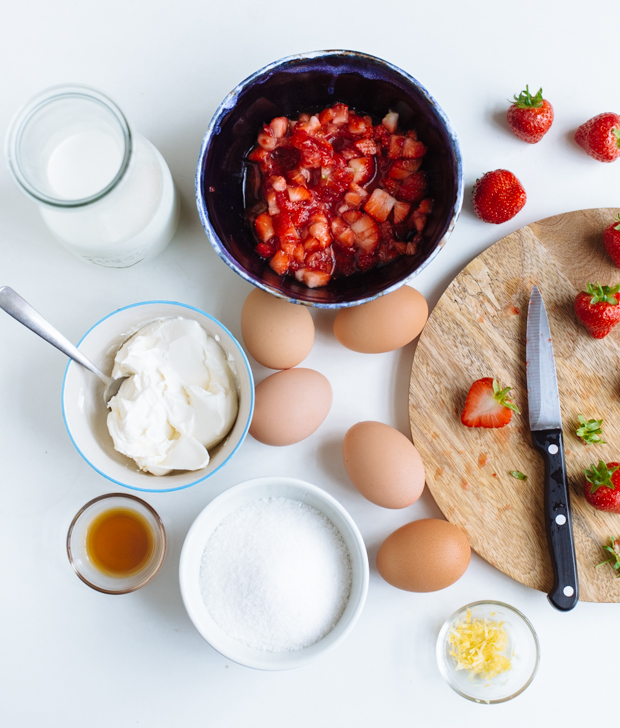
[426, 206]
[264, 227]
[311, 126]
[411, 247]
[413, 149]
[311, 244]
[413, 134]
[413, 189]
[272, 203]
[320, 230]
[357, 125]
[267, 139]
[280, 262]
[366, 233]
[363, 169]
[285, 230]
[266, 250]
[390, 185]
[381, 135]
[401, 210]
[279, 126]
[342, 232]
[341, 114]
[487, 405]
[356, 195]
[366, 147]
[348, 153]
[419, 220]
[299, 254]
[403, 168]
[379, 205]
[299, 176]
[395, 150]
[300, 214]
[278, 183]
[315, 278]
[366, 261]
[299, 194]
[352, 216]
[321, 260]
[390, 121]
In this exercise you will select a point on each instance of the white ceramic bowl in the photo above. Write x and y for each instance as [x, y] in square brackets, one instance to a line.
[85, 413]
[210, 518]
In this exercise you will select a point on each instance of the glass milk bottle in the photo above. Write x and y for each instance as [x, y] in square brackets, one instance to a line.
[104, 191]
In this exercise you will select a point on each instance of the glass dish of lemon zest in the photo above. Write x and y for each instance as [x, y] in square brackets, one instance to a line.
[479, 646]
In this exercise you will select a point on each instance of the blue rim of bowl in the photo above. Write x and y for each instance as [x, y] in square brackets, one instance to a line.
[229, 102]
[248, 485]
[243, 435]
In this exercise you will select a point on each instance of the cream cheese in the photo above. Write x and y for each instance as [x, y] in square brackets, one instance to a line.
[179, 401]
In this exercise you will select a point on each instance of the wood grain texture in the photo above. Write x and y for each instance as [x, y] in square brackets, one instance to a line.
[478, 330]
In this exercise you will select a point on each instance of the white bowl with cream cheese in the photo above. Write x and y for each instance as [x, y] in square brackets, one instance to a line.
[86, 416]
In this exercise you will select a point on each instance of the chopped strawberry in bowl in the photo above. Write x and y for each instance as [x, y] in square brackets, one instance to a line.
[329, 178]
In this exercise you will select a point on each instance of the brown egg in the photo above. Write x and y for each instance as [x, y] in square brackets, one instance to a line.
[290, 406]
[383, 464]
[278, 334]
[385, 324]
[424, 556]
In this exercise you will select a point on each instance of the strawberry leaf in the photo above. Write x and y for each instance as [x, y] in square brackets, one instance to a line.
[600, 475]
[614, 550]
[617, 227]
[590, 431]
[501, 396]
[603, 294]
[518, 475]
[525, 100]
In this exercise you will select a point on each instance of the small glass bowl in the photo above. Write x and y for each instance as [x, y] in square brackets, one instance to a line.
[82, 564]
[523, 648]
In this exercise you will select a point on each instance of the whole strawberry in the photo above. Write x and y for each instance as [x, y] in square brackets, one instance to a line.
[597, 308]
[498, 196]
[488, 405]
[600, 137]
[530, 117]
[602, 486]
[611, 240]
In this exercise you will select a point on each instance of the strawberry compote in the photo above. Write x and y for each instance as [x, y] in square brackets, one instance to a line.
[337, 194]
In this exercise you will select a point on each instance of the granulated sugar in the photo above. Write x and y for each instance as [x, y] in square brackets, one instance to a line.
[276, 575]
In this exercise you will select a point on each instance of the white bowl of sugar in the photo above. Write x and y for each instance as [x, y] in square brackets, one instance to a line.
[274, 573]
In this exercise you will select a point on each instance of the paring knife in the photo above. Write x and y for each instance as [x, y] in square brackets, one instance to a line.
[546, 427]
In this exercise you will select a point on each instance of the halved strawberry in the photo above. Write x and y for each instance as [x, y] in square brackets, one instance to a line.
[264, 227]
[403, 168]
[413, 149]
[395, 150]
[401, 210]
[414, 188]
[380, 204]
[390, 121]
[280, 262]
[366, 147]
[488, 405]
[366, 233]
[363, 169]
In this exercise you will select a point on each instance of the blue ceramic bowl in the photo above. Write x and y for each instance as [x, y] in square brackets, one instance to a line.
[308, 82]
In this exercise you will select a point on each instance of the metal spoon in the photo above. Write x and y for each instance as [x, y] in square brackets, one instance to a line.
[23, 312]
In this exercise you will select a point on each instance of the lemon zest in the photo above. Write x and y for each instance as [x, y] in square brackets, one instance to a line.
[479, 646]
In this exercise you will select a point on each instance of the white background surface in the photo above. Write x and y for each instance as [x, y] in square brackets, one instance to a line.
[72, 657]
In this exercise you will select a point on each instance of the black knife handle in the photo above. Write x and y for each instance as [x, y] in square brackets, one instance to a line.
[564, 594]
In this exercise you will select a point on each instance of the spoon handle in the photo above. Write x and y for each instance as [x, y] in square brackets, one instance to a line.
[23, 312]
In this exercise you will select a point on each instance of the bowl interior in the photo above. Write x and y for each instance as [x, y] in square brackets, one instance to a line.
[309, 83]
[209, 520]
[522, 647]
[85, 412]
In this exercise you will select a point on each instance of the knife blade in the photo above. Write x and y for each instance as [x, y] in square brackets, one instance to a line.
[546, 428]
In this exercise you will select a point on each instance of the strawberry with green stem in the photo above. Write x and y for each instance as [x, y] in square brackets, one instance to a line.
[602, 486]
[530, 117]
[611, 240]
[597, 308]
[614, 550]
[590, 431]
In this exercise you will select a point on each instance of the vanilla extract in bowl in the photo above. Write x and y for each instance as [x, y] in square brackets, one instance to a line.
[116, 543]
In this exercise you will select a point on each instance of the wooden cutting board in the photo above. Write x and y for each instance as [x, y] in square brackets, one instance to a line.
[478, 330]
